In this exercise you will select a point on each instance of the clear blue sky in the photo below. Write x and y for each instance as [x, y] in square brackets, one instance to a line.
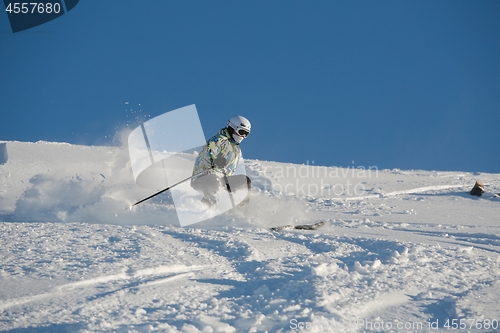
[393, 84]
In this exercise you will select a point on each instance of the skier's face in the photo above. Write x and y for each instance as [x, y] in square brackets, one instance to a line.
[239, 135]
[238, 138]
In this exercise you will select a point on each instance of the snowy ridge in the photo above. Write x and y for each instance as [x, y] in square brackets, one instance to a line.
[408, 249]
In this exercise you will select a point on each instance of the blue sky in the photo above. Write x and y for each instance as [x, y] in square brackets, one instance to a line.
[392, 84]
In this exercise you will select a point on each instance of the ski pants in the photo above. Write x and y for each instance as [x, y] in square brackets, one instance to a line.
[210, 184]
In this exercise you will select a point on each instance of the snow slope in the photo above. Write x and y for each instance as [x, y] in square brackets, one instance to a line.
[401, 251]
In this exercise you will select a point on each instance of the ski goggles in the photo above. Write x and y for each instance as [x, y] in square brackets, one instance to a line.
[242, 132]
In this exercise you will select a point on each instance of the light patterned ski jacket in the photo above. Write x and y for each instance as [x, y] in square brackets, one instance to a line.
[222, 143]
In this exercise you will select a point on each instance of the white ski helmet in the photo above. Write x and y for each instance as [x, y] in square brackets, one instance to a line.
[241, 127]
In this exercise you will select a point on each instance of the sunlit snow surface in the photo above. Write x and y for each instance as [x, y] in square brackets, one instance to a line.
[401, 251]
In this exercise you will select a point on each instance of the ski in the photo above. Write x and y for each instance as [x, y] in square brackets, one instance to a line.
[313, 226]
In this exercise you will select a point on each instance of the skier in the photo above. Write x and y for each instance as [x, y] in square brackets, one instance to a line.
[219, 158]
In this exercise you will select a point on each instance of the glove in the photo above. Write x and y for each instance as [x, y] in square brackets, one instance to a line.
[220, 161]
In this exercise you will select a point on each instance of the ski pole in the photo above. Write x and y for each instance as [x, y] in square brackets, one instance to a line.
[168, 188]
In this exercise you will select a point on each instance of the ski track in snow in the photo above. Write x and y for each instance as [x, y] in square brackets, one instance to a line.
[413, 248]
[410, 191]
